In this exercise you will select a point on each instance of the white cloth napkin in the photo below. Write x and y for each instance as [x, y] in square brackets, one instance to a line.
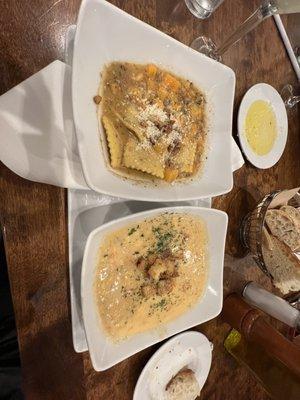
[37, 134]
[237, 160]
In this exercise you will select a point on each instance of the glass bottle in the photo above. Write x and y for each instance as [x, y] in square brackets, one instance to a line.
[272, 359]
[278, 381]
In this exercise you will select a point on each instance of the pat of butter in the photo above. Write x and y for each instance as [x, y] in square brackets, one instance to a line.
[260, 127]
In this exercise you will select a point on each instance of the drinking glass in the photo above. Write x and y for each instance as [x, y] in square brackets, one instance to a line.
[268, 7]
[202, 8]
[289, 97]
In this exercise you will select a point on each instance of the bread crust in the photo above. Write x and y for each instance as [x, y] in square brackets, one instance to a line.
[284, 225]
[284, 266]
[183, 386]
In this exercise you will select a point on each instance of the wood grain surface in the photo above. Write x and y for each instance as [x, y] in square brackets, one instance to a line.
[33, 216]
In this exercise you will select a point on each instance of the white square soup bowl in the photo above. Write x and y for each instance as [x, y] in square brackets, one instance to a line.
[103, 351]
[104, 34]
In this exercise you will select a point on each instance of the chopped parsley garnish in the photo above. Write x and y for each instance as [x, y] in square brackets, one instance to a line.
[156, 230]
[132, 230]
[163, 242]
[162, 303]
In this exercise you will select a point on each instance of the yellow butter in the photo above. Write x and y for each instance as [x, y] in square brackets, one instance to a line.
[261, 127]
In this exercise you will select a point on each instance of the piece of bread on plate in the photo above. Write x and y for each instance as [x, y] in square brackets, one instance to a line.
[184, 386]
[284, 226]
[283, 265]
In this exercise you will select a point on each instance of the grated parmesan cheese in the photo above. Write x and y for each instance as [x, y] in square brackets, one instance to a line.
[158, 125]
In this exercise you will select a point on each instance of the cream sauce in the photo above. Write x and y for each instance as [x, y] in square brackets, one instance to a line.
[150, 272]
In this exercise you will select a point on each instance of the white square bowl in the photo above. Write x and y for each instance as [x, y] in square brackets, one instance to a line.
[104, 34]
[104, 353]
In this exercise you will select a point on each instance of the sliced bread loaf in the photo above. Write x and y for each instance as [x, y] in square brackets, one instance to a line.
[283, 265]
[284, 227]
[184, 386]
[266, 239]
[292, 212]
[279, 222]
[292, 239]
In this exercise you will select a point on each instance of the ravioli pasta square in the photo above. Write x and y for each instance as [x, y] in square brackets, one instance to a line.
[154, 122]
[143, 159]
[129, 121]
[115, 142]
[185, 157]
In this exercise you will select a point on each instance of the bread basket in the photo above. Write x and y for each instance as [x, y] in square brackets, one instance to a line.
[252, 227]
[251, 231]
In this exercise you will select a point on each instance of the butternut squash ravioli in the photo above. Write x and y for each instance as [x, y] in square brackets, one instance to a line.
[154, 122]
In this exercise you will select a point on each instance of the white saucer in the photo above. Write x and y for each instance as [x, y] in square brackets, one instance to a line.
[189, 349]
[263, 91]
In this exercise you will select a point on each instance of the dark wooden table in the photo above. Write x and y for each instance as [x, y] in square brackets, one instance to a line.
[33, 216]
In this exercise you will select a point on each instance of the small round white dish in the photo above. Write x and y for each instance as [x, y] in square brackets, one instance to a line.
[263, 91]
[189, 349]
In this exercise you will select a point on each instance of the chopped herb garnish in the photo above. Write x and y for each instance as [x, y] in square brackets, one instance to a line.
[156, 230]
[163, 242]
[161, 304]
[163, 239]
[132, 230]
